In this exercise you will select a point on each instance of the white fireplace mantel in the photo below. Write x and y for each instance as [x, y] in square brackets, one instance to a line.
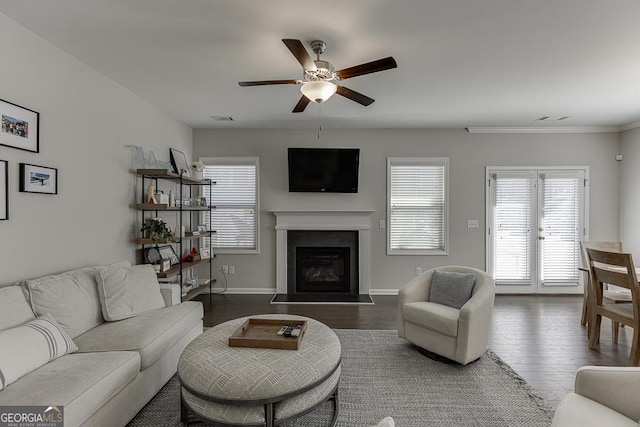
[328, 220]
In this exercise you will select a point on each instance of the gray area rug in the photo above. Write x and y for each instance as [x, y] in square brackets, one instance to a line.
[383, 375]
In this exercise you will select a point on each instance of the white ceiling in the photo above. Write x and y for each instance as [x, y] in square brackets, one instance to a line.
[461, 63]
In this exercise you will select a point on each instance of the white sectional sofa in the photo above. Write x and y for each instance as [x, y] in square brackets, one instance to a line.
[119, 365]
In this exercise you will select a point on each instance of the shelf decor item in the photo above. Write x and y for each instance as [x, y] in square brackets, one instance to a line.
[155, 255]
[156, 229]
[179, 163]
[4, 189]
[197, 170]
[20, 127]
[38, 179]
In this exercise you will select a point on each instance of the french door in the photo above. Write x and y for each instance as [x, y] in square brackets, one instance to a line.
[535, 222]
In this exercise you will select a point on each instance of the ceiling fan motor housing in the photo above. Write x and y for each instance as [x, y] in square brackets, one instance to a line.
[324, 71]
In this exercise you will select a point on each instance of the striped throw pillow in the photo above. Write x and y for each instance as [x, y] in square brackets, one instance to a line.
[27, 347]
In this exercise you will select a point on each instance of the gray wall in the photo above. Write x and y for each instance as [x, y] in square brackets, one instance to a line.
[469, 154]
[85, 122]
[630, 191]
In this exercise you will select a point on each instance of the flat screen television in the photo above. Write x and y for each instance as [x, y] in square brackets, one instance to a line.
[323, 170]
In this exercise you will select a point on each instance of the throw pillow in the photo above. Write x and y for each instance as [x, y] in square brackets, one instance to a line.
[452, 289]
[14, 308]
[70, 297]
[126, 292]
[27, 347]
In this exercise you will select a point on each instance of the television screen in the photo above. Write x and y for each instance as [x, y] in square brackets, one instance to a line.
[327, 170]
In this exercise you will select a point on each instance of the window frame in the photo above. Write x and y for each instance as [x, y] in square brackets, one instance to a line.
[220, 161]
[419, 161]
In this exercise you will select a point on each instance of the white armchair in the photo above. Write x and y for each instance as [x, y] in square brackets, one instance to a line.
[457, 334]
[603, 396]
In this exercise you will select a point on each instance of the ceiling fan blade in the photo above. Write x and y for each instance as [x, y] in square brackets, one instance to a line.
[355, 96]
[301, 105]
[369, 67]
[297, 48]
[269, 82]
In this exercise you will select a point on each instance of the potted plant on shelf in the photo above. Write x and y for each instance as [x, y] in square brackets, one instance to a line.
[197, 169]
[156, 229]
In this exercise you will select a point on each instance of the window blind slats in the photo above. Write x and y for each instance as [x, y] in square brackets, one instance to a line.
[235, 199]
[417, 205]
[562, 227]
[513, 199]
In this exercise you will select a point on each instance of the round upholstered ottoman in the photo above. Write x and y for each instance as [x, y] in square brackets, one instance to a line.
[241, 386]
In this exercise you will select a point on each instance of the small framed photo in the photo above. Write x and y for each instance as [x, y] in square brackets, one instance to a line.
[205, 253]
[38, 179]
[155, 255]
[4, 189]
[20, 127]
[202, 228]
[179, 163]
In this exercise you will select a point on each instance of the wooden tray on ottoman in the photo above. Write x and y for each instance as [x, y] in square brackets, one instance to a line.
[263, 333]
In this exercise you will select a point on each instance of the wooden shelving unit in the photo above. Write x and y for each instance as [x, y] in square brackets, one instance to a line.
[179, 269]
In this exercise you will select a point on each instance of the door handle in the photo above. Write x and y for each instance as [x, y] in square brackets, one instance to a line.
[541, 238]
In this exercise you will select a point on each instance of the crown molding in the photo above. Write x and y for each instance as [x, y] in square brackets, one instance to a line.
[630, 126]
[582, 129]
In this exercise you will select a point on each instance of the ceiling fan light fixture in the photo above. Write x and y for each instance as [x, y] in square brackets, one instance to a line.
[318, 90]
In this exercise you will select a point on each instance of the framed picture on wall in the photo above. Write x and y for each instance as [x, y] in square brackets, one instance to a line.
[20, 127]
[4, 189]
[38, 179]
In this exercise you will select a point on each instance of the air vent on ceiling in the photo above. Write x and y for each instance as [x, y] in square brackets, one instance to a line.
[551, 118]
[222, 118]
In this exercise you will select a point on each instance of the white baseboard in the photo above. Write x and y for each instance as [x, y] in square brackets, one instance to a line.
[247, 291]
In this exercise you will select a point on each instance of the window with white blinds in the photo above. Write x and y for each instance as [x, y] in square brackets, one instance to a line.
[417, 217]
[235, 197]
[562, 229]
[513, 201]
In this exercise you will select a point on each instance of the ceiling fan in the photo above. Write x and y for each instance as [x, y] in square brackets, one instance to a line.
[320, 80]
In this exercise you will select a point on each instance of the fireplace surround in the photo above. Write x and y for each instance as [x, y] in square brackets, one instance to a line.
[356, 222]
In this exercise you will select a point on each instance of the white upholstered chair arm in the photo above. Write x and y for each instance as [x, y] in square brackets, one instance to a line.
[171, 294]
[416, 290]
[474, 322]
[617, 388]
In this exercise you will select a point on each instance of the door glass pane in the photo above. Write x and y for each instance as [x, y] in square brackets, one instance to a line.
[561, 226]
[513, 198]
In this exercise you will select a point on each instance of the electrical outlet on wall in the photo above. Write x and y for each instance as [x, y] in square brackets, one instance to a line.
[225, 269]
[418, 271]
[232, 269]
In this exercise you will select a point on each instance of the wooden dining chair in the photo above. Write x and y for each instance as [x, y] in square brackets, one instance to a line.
[603, 246]
[615, 268]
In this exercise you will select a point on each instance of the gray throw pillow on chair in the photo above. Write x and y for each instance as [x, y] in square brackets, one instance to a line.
[452, 289]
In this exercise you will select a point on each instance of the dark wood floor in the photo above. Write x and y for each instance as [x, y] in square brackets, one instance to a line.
[540, 337]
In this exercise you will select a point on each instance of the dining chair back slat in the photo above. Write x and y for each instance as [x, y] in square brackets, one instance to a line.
[614, 268]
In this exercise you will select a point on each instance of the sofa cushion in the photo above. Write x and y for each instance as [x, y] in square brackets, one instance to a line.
[577, 410]
[437, 317]
[81, 382]
[14, 308]
[150, 333]
[450, 288]
[70, 297]
[29, 346]
[127, 292]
